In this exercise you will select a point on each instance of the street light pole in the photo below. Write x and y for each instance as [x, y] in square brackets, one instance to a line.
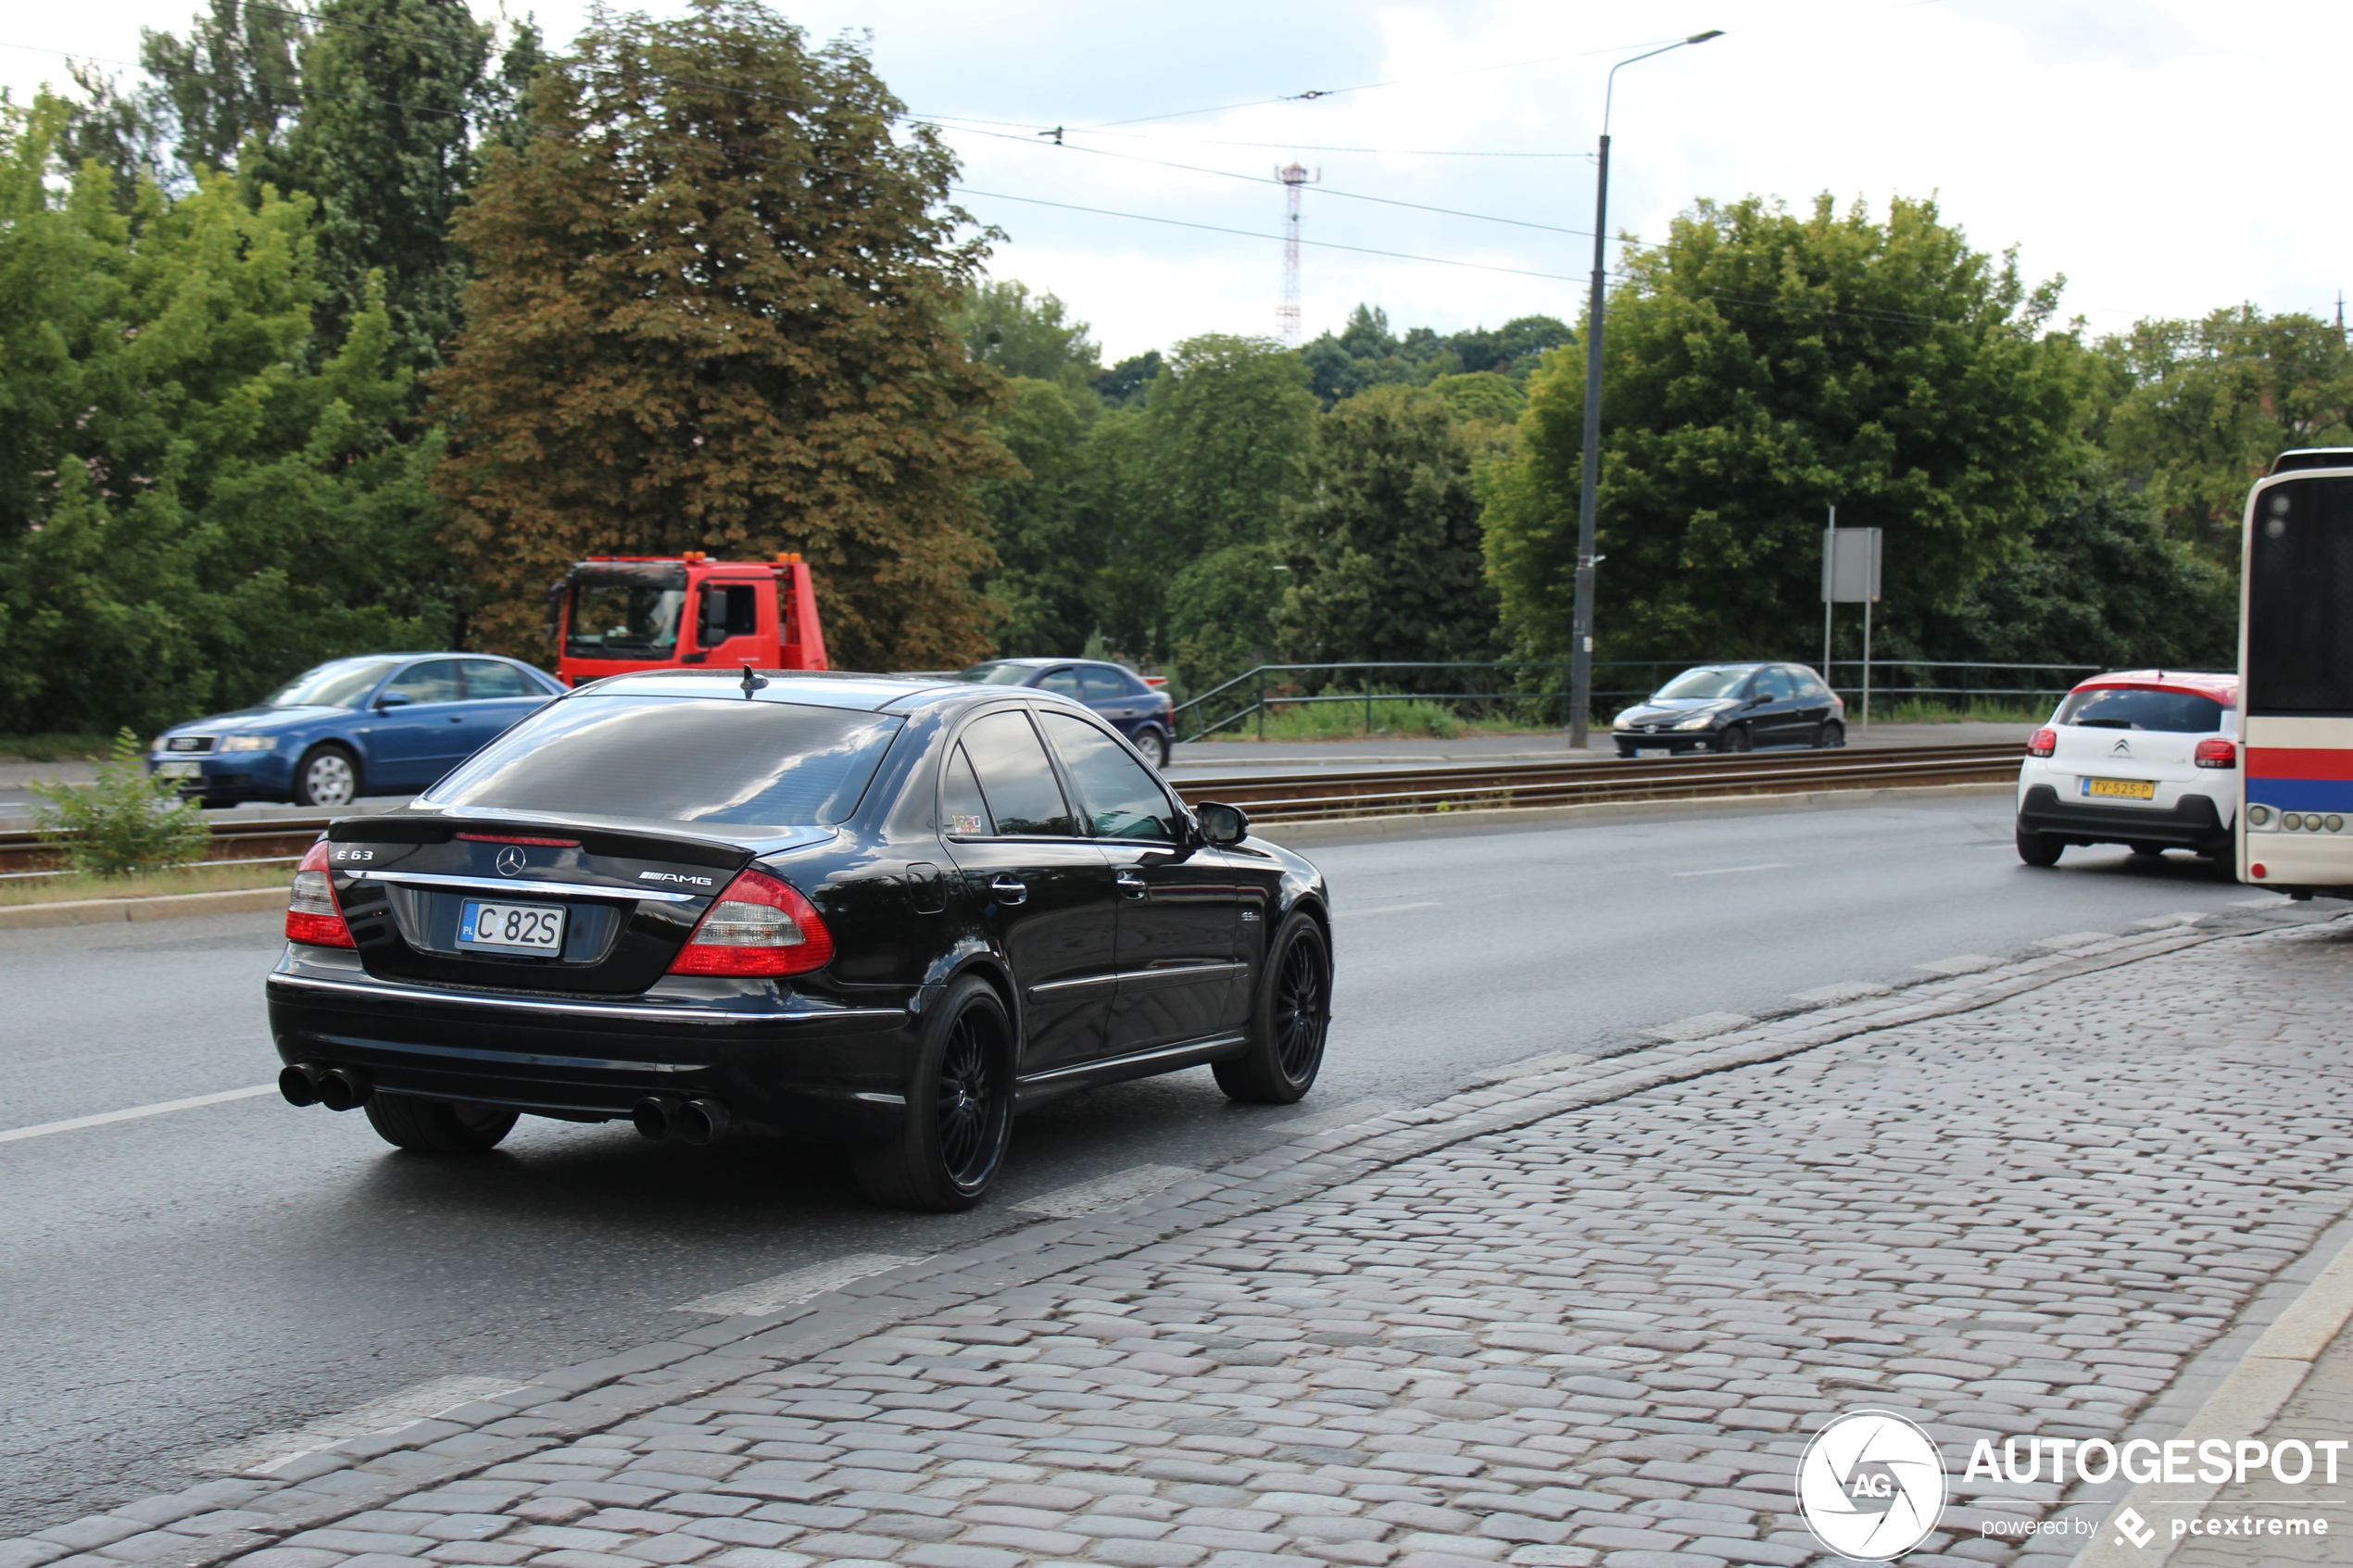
[1580, 681]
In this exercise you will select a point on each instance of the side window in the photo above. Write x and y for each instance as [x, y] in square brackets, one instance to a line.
[728, 610]
[1065, 681]
[1808, 683]
[486, 679]
[1098, 683]
[1772, 685]
[1120, 798]
[1017, 781]
[961, 810]
[436, 681]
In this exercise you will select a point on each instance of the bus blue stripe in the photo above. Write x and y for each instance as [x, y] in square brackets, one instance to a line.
[2302, 795]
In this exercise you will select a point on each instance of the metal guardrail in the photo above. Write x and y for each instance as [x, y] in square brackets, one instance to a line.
[1257, 691]
[1370, 793]
[22, 852]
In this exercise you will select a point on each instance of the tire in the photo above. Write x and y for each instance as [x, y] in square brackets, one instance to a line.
[327, 775]
[1734, 739]
[1833, 737]
[1288, 1022]
[438, 1126]
[1152, 742]
[959, 1122]
[2038, 848]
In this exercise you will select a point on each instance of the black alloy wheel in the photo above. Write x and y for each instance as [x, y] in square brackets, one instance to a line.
[2038, 848]
[1734, 739]
[1290, 1022]
[950, 1144]
[1833, 735]
[438, 1126]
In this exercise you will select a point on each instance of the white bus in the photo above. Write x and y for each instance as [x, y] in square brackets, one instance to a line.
[2296, 676]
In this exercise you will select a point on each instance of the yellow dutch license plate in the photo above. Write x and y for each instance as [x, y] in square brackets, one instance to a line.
[2120, 789]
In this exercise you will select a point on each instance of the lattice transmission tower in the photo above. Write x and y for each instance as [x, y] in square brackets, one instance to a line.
[1295, 178]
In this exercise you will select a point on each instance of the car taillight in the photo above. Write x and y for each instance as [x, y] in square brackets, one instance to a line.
[2043, 743]
[312, 914]
[758, 926]
[2216, 753]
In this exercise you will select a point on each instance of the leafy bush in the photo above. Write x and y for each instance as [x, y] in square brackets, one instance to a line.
[126, 823]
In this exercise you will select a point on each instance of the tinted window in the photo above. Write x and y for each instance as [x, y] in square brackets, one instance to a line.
[961, 810]
[623, 620]
[1098, 683]
[680, 759]
[436, 681]
[1025, 799]
[1773, 686]
[1121, 799]
[486, 679]
[1707, 680]
[2299, 599]
[2181, 713]
[1808, 683]
[342, 684]
[1065, 681]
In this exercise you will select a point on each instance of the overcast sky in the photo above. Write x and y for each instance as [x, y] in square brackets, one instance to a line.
[2168, 157]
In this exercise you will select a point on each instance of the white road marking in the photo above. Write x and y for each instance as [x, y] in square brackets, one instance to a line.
[763, 1297]
[1393, 908]
[1700, 1026]
[1961, 964]
[1728, 871]
[392, 1410]
[2075, 939]
[1840, 991]
[1084, 1197]
[42, 1129]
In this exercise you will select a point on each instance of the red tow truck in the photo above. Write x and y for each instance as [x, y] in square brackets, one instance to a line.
[612, 615]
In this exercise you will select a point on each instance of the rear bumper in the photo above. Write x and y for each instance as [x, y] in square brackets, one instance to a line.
[2191, 823]
[794, 1066]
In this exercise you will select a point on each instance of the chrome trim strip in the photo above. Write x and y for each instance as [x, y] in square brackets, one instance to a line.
[553, 889]
[577, 1010]
[1081, 1069]
[872, 1099]
[1173, 973]
[1064, 987]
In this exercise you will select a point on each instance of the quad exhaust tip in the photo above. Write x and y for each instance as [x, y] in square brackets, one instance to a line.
[700, 1121]
[337, 1088]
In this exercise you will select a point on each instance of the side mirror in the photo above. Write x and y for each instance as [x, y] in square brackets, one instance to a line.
[1222, 826]
[393, 698]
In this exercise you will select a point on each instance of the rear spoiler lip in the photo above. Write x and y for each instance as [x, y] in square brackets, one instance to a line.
[413, 824]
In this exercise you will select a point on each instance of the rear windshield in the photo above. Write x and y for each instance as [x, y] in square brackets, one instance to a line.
[709, 760]
[2180, 713]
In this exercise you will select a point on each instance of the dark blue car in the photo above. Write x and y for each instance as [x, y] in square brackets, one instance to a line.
[1134, 707]
[385, 724]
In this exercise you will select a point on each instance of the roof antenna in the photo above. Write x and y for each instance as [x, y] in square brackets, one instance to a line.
[751, 683]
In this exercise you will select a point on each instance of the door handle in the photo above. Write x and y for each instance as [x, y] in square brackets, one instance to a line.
[1132, 885]
[1010, 889]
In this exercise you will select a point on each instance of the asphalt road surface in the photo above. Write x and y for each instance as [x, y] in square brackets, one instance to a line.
[178, 1284]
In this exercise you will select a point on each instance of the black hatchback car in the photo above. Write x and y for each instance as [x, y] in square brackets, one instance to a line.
[885, 912]
[1733, 708]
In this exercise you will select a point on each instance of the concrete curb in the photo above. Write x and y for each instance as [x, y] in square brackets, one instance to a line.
[106, 911]
[1422, 824]
[2250, 1397]
[352, 1476]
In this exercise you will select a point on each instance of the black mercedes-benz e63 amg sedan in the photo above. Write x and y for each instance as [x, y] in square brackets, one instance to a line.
[882, 911]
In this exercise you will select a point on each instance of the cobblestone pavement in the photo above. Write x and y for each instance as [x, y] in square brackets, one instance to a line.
[1596, 1330]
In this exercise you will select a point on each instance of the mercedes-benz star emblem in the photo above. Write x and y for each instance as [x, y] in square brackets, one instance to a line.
[511, 861]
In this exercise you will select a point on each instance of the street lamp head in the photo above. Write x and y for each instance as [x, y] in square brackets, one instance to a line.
[1704, 37]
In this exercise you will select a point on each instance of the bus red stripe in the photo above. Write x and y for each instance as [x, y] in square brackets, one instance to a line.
[2298, 762]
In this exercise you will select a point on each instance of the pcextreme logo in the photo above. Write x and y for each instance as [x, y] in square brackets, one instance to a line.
[1872, 1485]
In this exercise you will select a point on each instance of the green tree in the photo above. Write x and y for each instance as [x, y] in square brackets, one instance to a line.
[2201, 409]
[1385, 551]
[1367, 354]
[1221, 612]
[396, 95]
[1125, 384]
[235, 79]
[711, 309]
[1046, 561]
[1762, 366]
[1003, 326]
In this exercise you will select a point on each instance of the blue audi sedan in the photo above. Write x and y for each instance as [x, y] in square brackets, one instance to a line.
[386, 724]
[1134, 707]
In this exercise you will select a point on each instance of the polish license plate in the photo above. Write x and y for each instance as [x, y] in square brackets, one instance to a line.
[1654, 751]
[512, 928]
[2120, 789]
[179, 770]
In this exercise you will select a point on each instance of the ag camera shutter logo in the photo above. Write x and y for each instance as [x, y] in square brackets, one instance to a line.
[1872, 1485]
